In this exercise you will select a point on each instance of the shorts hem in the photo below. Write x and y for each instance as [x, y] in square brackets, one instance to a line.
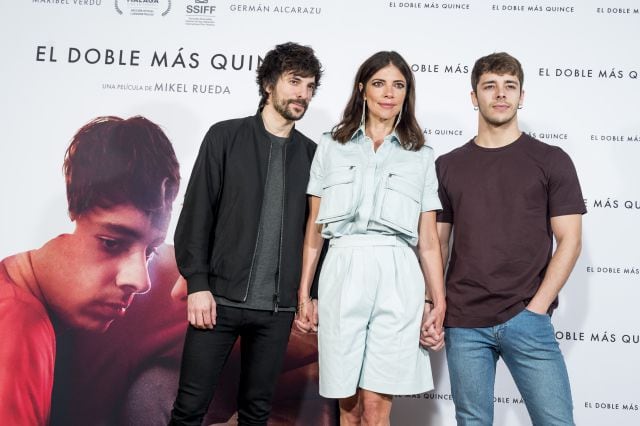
[396, 388]
[380, 387]
[337, 394]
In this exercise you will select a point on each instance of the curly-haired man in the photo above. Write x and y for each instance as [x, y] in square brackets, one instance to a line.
[239, 240]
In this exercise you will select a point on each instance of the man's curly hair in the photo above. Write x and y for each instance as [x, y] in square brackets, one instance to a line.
[284, 58]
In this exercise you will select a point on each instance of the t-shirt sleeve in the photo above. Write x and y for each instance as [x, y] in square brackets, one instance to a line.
[446, 214]
[565, 195]
[316, 175]
[27, 355]
[430, 200]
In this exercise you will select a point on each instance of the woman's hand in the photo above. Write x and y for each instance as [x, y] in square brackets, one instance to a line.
[307, 316]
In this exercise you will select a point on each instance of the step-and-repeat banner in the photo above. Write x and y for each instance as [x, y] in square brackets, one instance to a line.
[186, 64]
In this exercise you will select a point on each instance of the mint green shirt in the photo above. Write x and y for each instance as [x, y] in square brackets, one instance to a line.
[372, 192]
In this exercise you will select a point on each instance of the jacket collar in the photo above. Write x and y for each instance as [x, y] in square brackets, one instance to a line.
[263, 129]
[359, 135]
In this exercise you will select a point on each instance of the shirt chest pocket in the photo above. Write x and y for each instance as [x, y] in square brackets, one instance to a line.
[400, 202]
[339, 193]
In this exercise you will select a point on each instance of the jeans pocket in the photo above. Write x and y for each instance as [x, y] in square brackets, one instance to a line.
[537, 326]
[545, 315]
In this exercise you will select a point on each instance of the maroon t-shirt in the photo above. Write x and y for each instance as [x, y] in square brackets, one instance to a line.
[500, 201]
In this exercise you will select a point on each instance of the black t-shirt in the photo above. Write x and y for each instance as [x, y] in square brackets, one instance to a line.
[500, 201]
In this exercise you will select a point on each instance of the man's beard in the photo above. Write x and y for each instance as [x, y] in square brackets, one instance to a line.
[282, 107]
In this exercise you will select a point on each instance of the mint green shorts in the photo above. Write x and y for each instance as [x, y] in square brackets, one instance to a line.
[370, 305]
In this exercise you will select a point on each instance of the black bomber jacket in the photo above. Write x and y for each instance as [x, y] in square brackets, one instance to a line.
[216, 235]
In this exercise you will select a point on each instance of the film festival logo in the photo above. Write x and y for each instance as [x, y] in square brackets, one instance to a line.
[143, 7]
[200, 12]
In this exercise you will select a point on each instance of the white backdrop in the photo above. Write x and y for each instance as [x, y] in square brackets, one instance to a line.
[65, 62]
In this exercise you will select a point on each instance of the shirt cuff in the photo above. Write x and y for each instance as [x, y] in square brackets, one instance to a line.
[431, 204]
[314, 188]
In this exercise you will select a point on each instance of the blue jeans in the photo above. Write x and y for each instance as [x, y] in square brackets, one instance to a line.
[528, 347]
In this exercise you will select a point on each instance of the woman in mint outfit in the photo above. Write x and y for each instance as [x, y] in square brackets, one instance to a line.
[373, 194]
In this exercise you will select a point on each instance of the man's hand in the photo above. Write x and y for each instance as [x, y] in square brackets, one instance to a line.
[432, 332]
[201, 310]
[533, 307]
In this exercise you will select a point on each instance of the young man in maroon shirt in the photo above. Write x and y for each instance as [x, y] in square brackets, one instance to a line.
[505, 197]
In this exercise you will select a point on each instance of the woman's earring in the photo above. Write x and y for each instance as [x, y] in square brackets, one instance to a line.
[364, 111]
[398, 119]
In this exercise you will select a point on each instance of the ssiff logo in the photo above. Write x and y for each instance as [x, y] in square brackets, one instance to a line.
[200, 13]
[143, 7]
[201, 7]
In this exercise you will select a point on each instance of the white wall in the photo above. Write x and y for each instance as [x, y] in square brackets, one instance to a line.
[581, 66]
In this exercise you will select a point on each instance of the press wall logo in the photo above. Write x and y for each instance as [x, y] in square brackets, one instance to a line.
[531, 8]
[556, 136]
[440, 68]
[615, 138]
[620, 11]
[613, 405]
[180, 58]
[436, 396]
[430, 5]
[604, 337]
[578, 71]
[611, 203]
[442, 132]
[200, 12]
[143, 7]
[630, 270]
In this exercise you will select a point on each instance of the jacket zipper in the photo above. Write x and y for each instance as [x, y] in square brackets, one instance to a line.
[276, 296]
[255, 247]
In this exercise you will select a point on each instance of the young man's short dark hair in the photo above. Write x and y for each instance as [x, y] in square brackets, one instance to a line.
[498, 63]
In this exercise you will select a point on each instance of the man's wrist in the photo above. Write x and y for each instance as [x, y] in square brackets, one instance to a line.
[538, 309]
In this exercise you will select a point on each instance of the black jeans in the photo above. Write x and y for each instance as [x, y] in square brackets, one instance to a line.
[264, 337]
